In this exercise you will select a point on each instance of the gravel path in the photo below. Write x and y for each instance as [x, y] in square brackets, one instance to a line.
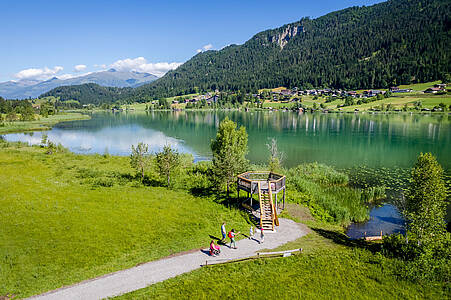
[138, 277]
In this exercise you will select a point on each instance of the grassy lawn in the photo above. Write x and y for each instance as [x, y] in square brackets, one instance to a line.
[419, 87]
[398, 101]
[41, 124]
[65, 218]
[329, 267]
[277, 104]
[135, 106]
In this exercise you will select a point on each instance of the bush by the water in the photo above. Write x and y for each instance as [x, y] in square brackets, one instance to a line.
[426, 247]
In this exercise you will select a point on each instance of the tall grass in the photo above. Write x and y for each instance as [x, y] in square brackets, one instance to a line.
[327, 193]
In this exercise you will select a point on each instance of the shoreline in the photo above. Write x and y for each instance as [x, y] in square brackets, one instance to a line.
[42, 124]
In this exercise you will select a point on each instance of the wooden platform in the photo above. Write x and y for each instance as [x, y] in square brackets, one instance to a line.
[266, 185]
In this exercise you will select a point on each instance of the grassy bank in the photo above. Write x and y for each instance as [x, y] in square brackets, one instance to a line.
[66, 218]
[41, 123]
[329, 267]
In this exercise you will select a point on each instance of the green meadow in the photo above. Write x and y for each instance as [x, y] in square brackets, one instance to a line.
[65, 218]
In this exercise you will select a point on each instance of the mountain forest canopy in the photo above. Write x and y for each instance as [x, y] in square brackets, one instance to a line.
[391, 43]
[88, 93]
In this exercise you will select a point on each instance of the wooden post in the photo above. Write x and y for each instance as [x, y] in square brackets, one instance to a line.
[283, 197]
[276, 203]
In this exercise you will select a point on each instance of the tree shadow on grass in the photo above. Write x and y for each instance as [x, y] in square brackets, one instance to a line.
[147, 181]
[342, 239]
[202, 192]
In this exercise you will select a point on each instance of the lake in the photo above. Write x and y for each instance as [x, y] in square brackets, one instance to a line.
[340, 140]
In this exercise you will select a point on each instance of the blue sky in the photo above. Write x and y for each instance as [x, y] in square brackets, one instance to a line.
[41, 39]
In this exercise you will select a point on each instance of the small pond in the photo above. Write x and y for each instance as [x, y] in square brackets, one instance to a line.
[385, 218]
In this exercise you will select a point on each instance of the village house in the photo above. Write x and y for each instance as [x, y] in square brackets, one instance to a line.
[213, 99]
[441, 86]
[371, 93]
[433, 90]
[285, 92]
[396, 89]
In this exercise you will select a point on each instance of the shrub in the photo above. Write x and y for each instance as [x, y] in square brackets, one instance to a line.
[103, 181]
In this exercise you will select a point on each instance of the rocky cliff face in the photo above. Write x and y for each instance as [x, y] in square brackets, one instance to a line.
[287, 34]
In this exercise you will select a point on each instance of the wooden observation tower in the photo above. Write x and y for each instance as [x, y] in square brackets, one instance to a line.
[267, 186]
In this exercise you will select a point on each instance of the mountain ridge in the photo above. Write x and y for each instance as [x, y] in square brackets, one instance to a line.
[111, 78]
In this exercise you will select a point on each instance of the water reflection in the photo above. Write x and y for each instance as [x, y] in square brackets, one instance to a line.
[342, 140]
[385, 219]
[115, 140]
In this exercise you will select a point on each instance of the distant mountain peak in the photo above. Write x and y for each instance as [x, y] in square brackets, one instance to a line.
[111, 78]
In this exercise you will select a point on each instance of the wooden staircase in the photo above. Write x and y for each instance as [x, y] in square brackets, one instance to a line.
[268, 214]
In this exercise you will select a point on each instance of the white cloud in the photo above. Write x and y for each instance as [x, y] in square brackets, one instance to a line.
[140, 64]
[205, 48]
[79, 68]
[38, 74]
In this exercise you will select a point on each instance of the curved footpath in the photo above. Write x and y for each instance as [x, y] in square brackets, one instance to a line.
[138, 277]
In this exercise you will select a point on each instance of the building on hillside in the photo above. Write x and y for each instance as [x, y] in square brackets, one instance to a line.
[213, 99]
[433, 90]
[402, 91]
[371, 93]
[396, 89]
[441, 86]
[285, 92]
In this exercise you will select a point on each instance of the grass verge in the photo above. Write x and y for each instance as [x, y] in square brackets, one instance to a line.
[41, 124]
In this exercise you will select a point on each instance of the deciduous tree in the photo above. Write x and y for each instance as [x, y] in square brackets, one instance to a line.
[229, 152]
[167, 162]
[139, 158]
[426, 200]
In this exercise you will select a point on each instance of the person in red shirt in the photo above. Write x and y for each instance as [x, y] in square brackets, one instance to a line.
[232, 238]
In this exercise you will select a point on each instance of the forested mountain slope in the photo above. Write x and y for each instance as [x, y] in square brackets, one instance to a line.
[396, 42]
[391, 43]
[89, 93]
